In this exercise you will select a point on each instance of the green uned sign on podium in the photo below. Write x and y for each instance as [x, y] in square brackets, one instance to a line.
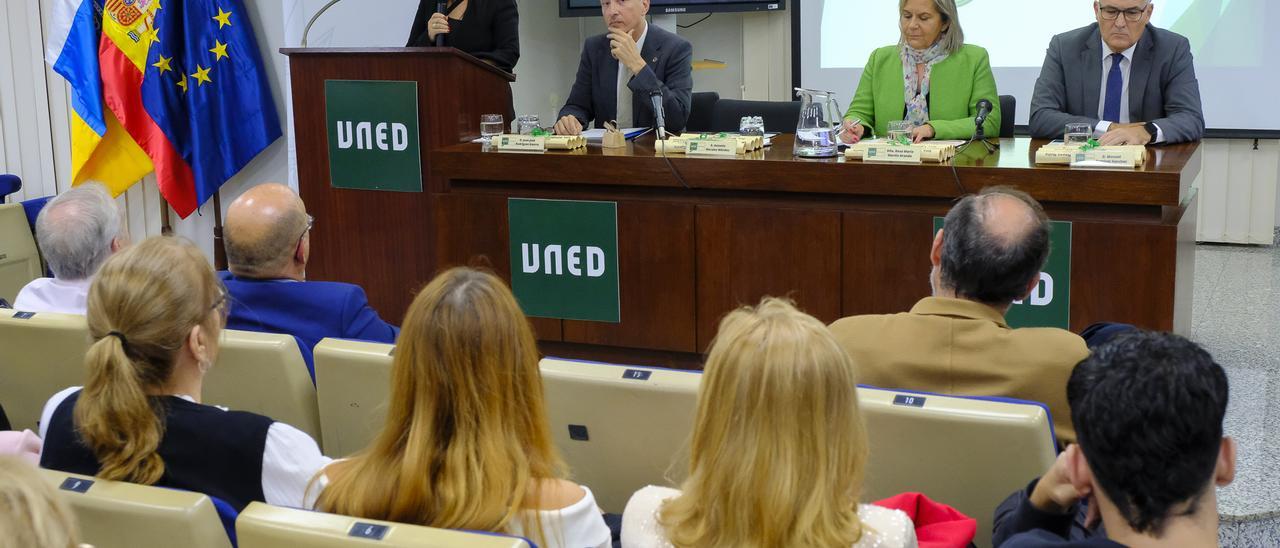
[373, 135]
[564, 258]
[1050, 303]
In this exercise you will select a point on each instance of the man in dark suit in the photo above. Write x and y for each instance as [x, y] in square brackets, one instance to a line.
[622, 69]
[267, 238]
[1133, 83]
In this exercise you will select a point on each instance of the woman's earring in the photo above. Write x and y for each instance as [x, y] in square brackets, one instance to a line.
[204, 365]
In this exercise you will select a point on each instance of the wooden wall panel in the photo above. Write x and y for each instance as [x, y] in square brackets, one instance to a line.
[885, 259]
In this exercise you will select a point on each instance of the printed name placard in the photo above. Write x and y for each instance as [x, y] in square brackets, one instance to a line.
[712, 147]
[521, 143]
[897, 154]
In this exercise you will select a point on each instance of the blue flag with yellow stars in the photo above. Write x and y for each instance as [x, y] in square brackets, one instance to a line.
[205, 87]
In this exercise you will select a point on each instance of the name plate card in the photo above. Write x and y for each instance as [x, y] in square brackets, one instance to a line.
[520, 143]
[712, 147]
[896, 154]
[1126, 156]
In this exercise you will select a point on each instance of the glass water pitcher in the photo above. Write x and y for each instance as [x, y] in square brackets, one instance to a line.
[819, 124]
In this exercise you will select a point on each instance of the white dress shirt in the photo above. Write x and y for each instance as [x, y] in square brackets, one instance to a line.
[626, 114]
[289, 460]
[54, 295]
[1126, 63]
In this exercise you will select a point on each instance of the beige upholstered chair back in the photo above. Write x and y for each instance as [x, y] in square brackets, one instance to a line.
[114, 514]
[353, 383]
[40, 354]
[966, 453]
[264, 526]
[264, 373]
[19, 258]
[620, 428]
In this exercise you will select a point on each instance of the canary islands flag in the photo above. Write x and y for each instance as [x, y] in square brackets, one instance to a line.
[186, 80]
[101, 150]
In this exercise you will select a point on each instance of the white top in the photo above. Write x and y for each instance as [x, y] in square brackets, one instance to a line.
[1126, 63]
[626, 116]
[881, 527]
[54, 295]
[289, 460]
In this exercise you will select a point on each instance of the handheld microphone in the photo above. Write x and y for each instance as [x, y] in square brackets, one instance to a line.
[440, 8]
[659, 113]
[984, 110]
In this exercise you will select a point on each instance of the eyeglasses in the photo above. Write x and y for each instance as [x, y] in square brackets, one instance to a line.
[311, 221]
[221, 305]
[1132, 15]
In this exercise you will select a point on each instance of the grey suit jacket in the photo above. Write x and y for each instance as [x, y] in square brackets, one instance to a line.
[1162, 84]
[670, 68]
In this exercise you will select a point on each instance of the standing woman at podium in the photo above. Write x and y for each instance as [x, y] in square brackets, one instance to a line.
[487, 29]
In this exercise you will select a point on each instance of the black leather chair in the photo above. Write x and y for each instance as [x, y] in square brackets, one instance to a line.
[779, 116]
[1008, 111]
[700, 110]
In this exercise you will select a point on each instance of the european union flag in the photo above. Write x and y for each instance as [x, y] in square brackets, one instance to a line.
[205, 87]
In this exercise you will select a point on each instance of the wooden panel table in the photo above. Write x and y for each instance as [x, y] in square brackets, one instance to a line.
[698, 237]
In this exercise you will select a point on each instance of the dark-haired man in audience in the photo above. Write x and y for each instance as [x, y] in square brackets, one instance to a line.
[1148, 411]
[267, 238]
[956, 341]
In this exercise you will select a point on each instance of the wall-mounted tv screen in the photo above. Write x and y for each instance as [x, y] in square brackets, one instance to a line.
[585, 8]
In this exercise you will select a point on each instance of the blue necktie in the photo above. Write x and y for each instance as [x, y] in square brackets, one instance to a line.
[1115, 87]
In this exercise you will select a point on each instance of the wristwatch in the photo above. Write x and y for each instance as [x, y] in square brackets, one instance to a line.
[1152, 129]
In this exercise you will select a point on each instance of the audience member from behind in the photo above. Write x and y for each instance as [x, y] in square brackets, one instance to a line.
[956, 341]
[466, 443]
[156, 311]
[268, 242]
[778, 448]
[31, 514]
[1148, 411]
[76, 231]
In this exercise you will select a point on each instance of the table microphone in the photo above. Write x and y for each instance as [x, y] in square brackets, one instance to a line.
[984, 110]
[440, 8]
[659, 113]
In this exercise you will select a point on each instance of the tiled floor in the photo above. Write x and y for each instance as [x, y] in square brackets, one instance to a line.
[1237, 318]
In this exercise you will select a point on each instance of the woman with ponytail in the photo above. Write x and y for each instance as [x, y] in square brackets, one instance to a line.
[466, 443]
[155, 313]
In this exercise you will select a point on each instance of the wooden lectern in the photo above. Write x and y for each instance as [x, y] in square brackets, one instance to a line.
[385, 241]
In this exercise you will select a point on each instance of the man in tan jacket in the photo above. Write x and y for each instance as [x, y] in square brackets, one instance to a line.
[957, 342]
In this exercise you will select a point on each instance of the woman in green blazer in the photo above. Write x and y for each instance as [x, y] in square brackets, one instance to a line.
[931, 78]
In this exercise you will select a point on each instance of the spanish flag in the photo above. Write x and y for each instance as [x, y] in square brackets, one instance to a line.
[100, 149]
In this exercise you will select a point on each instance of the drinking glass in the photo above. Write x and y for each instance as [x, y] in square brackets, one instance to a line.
[900, 132]
[490, 126]
[751, 125]
[1077, 135]
[525, 124]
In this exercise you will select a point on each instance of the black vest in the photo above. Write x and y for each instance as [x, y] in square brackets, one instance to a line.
[205, 449]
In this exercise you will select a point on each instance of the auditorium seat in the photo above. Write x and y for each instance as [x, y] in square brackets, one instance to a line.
[264, 373]
[620, 428]
[40, 354]
[265, 526]
[353, 383]
[114, 514]
[19, 257]
[965, 452]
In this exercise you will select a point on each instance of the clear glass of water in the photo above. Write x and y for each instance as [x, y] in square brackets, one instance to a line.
[751, 125]
[490, 126]
[525, 124]
[900, 132]
[1077, 135]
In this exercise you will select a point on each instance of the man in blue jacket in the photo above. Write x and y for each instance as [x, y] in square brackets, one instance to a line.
[267, 237]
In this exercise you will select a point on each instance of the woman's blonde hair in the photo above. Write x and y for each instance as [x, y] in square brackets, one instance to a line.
[778, 446]
[31, 513]
[142, 307]
[466, 439]
[952, 38]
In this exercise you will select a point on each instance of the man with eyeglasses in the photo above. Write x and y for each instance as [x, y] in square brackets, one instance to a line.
[267, 239]
[1132, 82]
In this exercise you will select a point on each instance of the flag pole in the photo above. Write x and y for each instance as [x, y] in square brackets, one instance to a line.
[166, 228]
[219, 252]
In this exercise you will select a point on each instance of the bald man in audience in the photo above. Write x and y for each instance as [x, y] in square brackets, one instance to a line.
[76, 231]
[267, 237]
[957, 342]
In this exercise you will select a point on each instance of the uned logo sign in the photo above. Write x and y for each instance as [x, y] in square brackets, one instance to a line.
[1042, 295]
[555, 260]
[365, 135]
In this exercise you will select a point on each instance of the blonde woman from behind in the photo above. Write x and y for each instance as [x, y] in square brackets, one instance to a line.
[466, 443]
[778, 447]
[31, 514]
